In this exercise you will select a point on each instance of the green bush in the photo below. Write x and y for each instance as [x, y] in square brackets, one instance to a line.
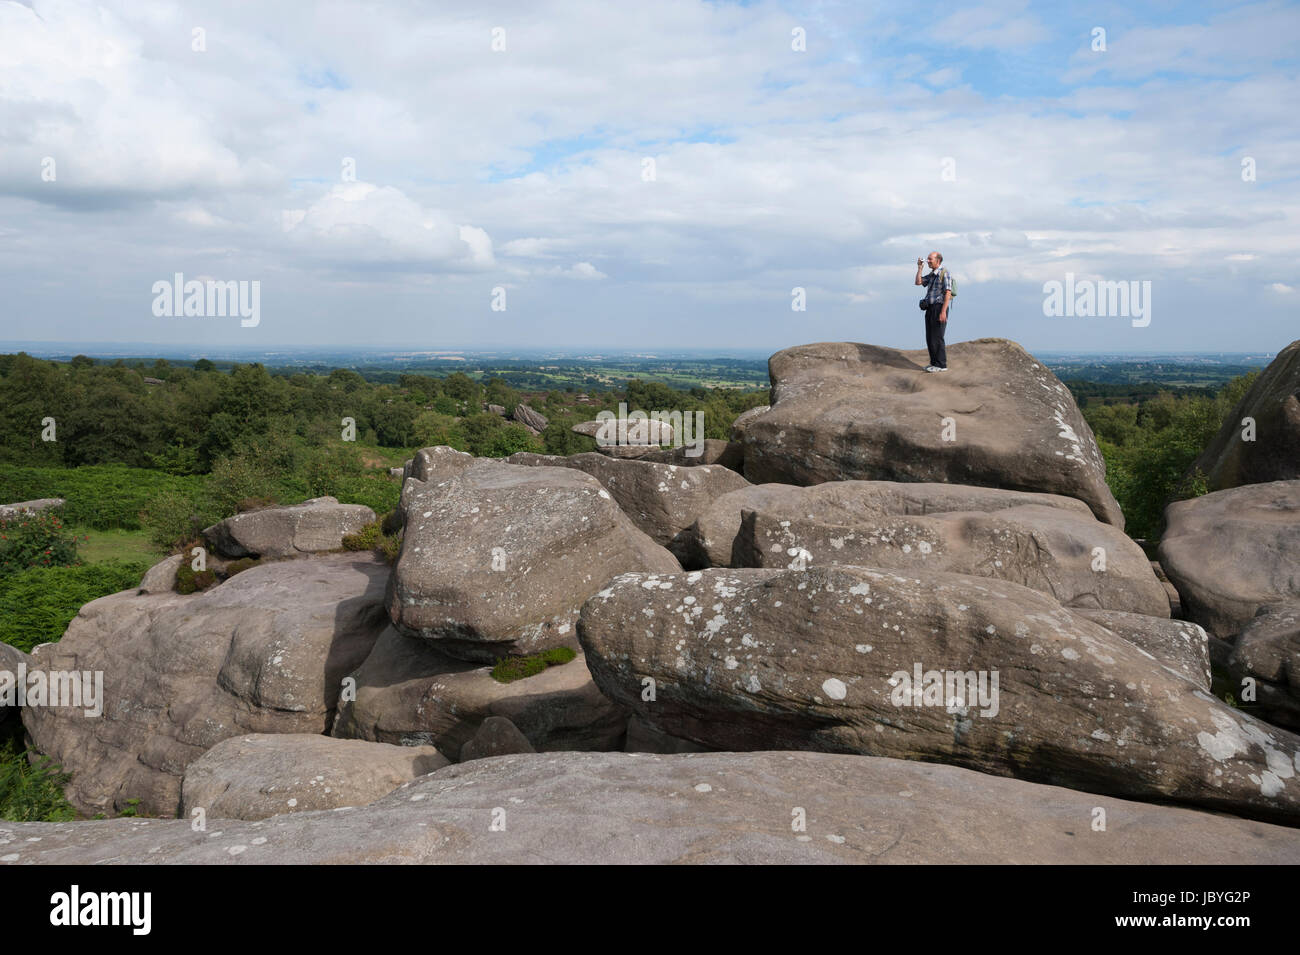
[510, 669]
[189, 580]
[35, 540]
[36, 605]
[175, 518]
[241, 565]
[372, 538]
[365, 539]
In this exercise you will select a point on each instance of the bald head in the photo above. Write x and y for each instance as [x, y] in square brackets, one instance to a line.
[934, 259]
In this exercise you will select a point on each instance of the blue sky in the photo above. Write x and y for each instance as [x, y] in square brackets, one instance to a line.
[214, 139]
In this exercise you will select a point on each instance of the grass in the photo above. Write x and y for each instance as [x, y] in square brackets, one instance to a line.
[94, 545]
[510, 669]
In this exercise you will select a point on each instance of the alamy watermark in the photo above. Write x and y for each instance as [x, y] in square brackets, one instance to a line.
[208, 299]
[954, 690]
[656, 428]
[78, 689]
[1086, 298]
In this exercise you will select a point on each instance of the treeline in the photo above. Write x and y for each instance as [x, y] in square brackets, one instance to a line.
[193, 417]
[1151, 445]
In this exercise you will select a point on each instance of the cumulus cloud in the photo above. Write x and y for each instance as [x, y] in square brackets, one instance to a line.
[831, 169]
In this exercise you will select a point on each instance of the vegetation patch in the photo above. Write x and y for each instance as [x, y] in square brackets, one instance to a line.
[509, 669]
[374, 537]
[189, 580]
[35, 540]
[36, 605]
[30, 791]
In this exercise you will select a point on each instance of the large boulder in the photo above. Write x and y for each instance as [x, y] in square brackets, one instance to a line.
[1270, 449]
[663, 500]
[264, 652]
[268, 774]
[410, 693]
[716, 531]
[1074, 557]
[498, 559]
[1268, 653]
[1232, 552]
[997, 418]
[27, 508]
[529, 418]
[1014, 684]
[753, 808]
[308, 528]
[1181, 645]
[161, 577]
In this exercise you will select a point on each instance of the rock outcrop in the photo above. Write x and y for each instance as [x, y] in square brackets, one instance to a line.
[663, 500]
[1014, 684]
[544, 538]
[999, 418]
[311, 527]
[1267, 448]
[26, 508]
[1232, 552]
[265, 652]
[534, 420]
[702, 808]
[263, 775]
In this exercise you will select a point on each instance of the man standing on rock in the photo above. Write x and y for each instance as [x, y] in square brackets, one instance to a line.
[936, 303]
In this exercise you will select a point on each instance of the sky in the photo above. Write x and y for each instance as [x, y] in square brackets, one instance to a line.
[676, 174]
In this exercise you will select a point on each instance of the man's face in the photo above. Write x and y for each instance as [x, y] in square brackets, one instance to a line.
[933, 260]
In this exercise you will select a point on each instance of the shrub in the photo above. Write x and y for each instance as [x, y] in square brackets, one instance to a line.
[365, 539]
[509, 669]
[238, 566]
[36, 605]
[372, 538]
[35, 540]
[174, 519]
[189, 580]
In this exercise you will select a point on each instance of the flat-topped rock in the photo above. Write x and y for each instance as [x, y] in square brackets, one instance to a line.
[26, 508]
[694, 808]
[998, 418]
[270, 774]
[311, 527]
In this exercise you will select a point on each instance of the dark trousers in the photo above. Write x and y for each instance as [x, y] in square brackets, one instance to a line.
[934, 332]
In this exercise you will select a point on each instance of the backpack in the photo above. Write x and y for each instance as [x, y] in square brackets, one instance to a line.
[952, 282]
